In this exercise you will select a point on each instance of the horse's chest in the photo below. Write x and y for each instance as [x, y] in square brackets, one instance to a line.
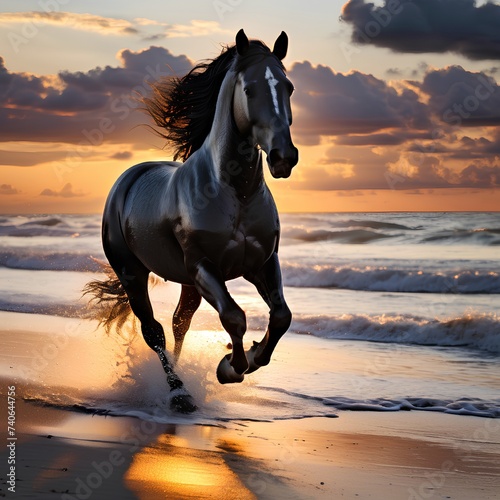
[247, 250]
[241, 248]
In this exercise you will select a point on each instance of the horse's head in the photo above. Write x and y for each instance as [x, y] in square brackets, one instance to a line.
[261, 103]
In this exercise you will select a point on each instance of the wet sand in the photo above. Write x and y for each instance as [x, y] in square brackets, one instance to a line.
[66, 454]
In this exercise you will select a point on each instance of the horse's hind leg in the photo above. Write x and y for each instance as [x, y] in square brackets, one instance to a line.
[153, 334]
[269, 285]
[189, 302]
[134, 278]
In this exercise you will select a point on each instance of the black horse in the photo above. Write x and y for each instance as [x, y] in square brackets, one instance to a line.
[212, 218]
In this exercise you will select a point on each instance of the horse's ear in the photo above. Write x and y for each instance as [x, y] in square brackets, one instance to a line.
[281, 46]
[242, 42]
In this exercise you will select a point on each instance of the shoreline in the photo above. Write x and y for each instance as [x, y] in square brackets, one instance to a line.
[63, 454]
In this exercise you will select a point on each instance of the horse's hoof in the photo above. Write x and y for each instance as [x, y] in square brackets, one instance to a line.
[182, 403]
[250, 354]
[226, 373]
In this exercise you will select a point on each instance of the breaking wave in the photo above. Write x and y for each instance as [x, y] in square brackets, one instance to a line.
[384, 279]
[474, 331]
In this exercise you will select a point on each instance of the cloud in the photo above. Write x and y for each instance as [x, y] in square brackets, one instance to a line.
[382, 139]
[147, 29]
[459, 147]
[154, 57]
[480, 147]
[351, 194]
[8, 189]
[65, 192]
[357, 168]
[195, 28]
[330, 103]
[377, 129]
[328, 179]
[394, 72]
[85, 22]
[414, 72]
[419, 26]
[391, 167]
[97, 105]
[480, 175]
[431, 172]
[83, 107]
[413, 136]
[428, 172]
[29, 158]
[122, 155]
[462, 98]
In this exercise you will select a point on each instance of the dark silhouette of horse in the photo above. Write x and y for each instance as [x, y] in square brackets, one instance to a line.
[211, 218]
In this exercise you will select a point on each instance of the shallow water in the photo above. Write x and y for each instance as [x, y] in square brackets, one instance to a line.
[391, 312]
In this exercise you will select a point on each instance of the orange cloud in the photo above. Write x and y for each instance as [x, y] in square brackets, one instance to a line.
[7, 189]
[85, 22]
[147, 29]
[65, 192]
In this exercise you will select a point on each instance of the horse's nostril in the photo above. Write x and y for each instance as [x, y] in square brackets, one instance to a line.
[290, 157]
[274, 156]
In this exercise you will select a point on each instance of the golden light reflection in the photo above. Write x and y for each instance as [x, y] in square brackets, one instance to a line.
[172, 471]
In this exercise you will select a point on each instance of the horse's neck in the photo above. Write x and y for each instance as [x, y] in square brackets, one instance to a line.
[235, 160]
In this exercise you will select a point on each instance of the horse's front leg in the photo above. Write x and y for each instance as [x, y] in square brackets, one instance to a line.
[269, 284]
[211, 286]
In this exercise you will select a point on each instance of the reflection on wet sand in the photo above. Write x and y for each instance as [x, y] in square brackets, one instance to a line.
[169, 466]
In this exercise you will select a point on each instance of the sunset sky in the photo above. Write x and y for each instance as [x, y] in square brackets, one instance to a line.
[397, 102]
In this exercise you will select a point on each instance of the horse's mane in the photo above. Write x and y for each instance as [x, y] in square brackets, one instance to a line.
[185, 107]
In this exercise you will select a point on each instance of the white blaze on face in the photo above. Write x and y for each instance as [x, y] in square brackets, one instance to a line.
[272, 86]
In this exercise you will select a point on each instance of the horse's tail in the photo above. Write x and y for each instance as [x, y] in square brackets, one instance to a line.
[109, 303]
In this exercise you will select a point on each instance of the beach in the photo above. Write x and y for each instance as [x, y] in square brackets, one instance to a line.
[85, 428]
[67, 454]
[386, 385]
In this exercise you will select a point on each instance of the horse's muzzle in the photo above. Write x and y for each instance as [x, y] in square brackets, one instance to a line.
[281, 164]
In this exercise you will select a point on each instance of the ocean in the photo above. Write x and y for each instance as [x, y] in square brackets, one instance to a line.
[392, 312]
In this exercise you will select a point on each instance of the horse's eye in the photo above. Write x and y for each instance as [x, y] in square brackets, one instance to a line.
[248, 92]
